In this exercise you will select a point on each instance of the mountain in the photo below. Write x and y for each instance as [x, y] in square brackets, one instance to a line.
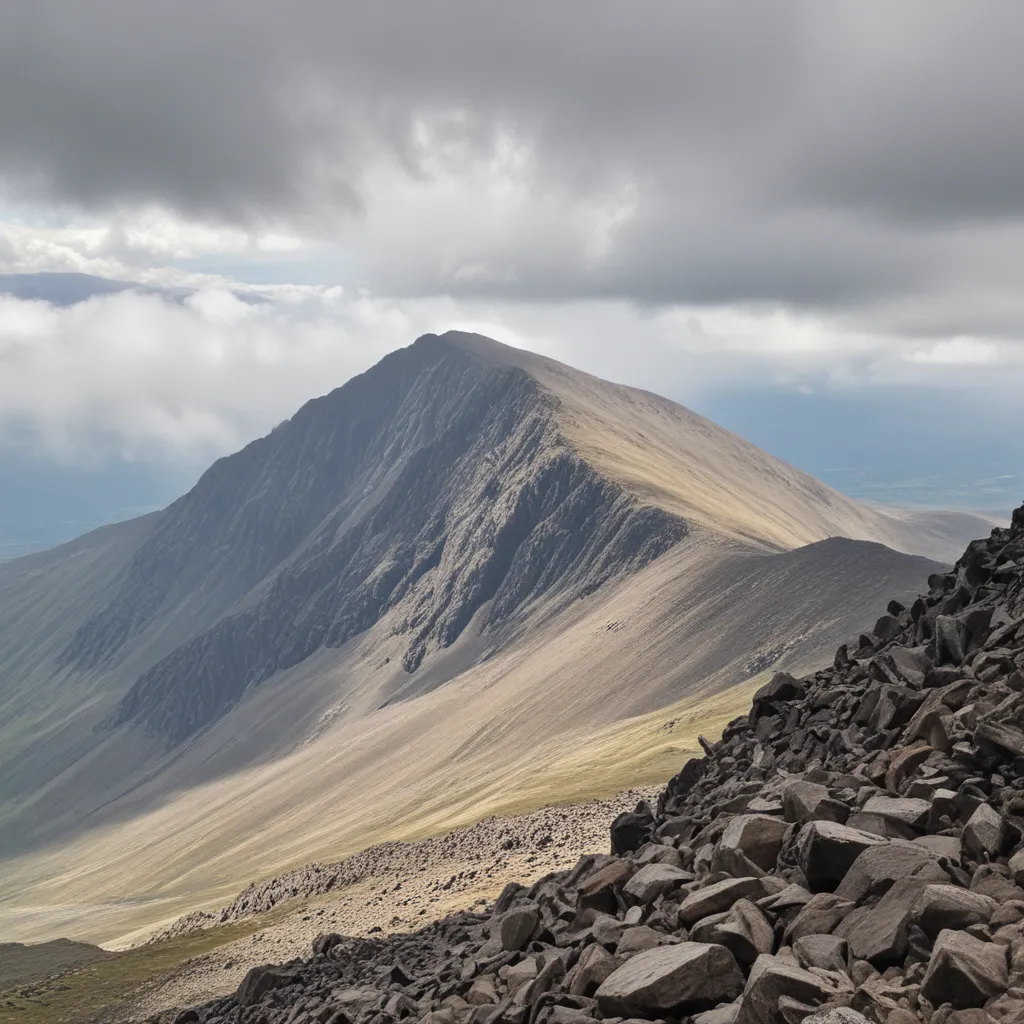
[459, 564]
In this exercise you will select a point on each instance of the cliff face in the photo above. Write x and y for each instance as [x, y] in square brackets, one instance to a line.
[432, 489]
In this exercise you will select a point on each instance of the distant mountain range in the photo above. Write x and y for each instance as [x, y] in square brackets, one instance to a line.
[465, 560]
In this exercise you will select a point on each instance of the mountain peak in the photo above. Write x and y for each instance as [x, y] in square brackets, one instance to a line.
[481, 347]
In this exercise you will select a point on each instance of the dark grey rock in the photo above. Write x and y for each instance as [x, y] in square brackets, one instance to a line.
[940, 907]
[964, 971]
[827, 850]
[827, 952]
[772, 979]
[673, 980]
[713, 899]
[261, 980]
[653, 880]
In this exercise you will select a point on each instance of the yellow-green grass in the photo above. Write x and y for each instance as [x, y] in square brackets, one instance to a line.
[638, 752]
[82, 995]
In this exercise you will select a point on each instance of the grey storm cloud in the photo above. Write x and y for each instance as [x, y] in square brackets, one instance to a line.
[844, 156]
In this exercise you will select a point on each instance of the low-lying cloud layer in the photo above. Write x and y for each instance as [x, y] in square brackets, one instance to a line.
[150, 376]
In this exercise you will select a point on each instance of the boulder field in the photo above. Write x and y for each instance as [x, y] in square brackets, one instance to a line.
[851, 850]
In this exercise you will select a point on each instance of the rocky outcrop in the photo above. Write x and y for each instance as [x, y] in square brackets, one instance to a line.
[849, 851]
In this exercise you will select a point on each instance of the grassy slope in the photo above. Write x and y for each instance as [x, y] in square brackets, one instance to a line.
[639, 751]
[545, 705]
[82, 994]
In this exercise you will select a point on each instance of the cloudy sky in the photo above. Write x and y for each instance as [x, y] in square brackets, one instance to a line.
[805, 220]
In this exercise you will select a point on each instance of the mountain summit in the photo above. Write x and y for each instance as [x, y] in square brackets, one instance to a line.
[461, 560]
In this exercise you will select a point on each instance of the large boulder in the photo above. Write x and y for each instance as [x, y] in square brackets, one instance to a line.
[826, 850]
[261, 980]
[631, 829]
[819, 916]
[719, 896]
[597, 890]
[671, 980]
[744, 931]
[516, 928]
[593, 967]
[940, 907]
[964, 971]
[878, 867]
[750, 845]
[984, 834]
[652, 880]
[827, 952]
[879, 934]
[804, 801]
[773, 979]
[892, 816]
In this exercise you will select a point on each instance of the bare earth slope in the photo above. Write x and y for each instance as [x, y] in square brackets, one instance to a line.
[376, 619]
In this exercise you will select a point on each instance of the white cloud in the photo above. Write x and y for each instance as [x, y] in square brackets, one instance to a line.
[138, 245]
[144, 375]
[956, 352]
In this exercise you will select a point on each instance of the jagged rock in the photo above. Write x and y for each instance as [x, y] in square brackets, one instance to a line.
[893, 817]
[876, 868]
[517, 926]
[984, 834]
[631, 829]
[1016, 866]
[905, 764]
[594, 966]
[715, 898]
[827, 952]
[637, 939]
[941, 907]
[653, 880]
[1002, 735]
[879, 934]
[743, 930]
[518, 975]
[771, 979]
[674, 980]
[597, 891]
[323, 944]
[807, 801]
[819, 916]
[724, 1014]
[992, 880]
[947, 847]
[837, 1015]
[259, 981]
[827, 850]
[949, 640]
[964, 971]
[483, 991]
[750, 844]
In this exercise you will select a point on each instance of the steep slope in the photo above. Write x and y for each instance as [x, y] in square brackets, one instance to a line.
[700, 619]
[427, 493]
[672, 458]
[464, 553]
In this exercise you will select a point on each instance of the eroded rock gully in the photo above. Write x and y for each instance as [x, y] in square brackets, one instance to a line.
[852, 849]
